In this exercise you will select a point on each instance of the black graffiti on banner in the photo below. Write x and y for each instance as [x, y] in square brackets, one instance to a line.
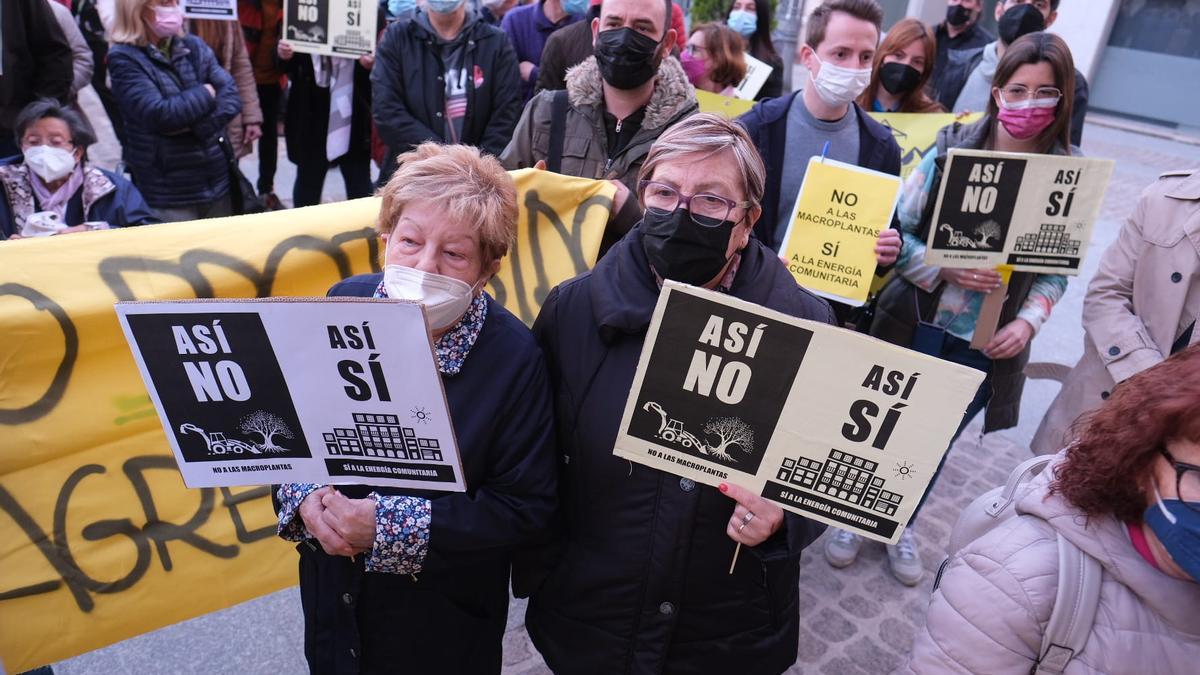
[152, 536]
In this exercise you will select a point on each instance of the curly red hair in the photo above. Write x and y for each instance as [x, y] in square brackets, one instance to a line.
[1114, 446]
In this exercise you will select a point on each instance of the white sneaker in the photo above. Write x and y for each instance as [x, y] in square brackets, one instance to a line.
[905, 560]
[841, 548]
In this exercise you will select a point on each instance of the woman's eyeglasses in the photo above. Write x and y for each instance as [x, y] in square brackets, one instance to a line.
[1187, 481]
[665, 199]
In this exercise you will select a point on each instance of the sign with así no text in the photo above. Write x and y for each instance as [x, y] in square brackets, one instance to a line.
[328, 391]
[829, 424]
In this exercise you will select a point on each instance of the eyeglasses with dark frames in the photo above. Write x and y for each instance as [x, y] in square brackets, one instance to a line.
[713, 209]
[1187, 481]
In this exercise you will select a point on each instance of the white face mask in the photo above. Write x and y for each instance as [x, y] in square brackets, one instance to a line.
[446, 299]
[838, 86]
[50, 164]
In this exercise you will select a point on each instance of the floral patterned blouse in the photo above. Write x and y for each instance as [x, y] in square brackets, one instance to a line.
[401, 522]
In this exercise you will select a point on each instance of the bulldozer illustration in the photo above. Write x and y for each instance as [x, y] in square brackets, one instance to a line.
[671, 429]
[217, 443]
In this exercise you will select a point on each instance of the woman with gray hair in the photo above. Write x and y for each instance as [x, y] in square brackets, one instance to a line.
[54, 190]
[637, 578]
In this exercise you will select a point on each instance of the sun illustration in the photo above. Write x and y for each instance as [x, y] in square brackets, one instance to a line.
[419, 414]
[903, 470]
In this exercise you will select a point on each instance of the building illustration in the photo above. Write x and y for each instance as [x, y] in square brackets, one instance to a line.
[381, 436]
[842, 476]
[1051, 239]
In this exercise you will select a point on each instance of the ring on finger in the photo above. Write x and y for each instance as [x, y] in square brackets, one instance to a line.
[746, 520]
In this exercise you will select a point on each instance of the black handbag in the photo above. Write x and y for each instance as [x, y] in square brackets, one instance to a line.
[242, 197]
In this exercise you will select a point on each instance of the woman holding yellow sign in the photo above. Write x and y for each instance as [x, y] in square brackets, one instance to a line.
[934, 309]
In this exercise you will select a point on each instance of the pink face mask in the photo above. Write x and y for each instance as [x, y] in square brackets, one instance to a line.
[693, 66]
[168, 20]
[1025, 119]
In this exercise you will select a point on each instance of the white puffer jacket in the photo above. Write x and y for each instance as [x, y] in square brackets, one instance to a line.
[990, 612]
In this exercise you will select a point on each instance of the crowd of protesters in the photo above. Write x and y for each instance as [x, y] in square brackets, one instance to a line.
[623, 563]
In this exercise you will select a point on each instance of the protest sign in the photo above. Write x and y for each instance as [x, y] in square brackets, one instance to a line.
[331, 27]
[1031, 212]
[338, 391]
[916, 133]
[99, 539]
[830, 240]
[757, 73]
[827, 423]
[224, 10]
[726, 107]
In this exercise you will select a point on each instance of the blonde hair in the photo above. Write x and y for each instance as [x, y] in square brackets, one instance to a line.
[704, 135]
[128, 27]
[471, 187]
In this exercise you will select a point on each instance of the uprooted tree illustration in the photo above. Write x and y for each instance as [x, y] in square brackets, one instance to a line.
[730, 431]
[268, 426]
[989, 229]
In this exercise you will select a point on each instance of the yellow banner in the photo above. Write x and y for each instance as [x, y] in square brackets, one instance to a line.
[724, 106]
[917, 133]
[830, 242]
[99, 539]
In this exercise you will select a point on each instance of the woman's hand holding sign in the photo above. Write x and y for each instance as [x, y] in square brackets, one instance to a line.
[981, 280]
[338, 523]
[754, 519]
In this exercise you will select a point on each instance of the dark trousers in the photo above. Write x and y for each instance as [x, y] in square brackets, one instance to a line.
[310, 179]
[268, 145]
[957, 350]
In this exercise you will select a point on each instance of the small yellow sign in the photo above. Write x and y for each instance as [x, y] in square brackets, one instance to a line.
[830, 241]
[724, 106]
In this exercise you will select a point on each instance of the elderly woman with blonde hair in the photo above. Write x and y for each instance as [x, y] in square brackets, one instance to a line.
[639, 577]
[176, 100]
[418, 581]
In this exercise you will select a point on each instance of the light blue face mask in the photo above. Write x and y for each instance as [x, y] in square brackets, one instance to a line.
[575, 7]
[743, 22]
[401, 7]
[1178, 528]
[443, 6]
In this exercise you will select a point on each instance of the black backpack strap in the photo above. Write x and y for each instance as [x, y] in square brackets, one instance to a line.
[558, 130]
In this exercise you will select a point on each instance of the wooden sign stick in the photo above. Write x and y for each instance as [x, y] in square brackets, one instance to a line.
[989, 313]
[736, 551]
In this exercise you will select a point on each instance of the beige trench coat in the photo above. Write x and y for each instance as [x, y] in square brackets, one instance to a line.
[1141, 300]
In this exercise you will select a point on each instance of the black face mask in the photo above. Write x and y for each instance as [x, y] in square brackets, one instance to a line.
[898, 78]
[957, 15]
[1019, 20]
[627, 59]
[681, 250]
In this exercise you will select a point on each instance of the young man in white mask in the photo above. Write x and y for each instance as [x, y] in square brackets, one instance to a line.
[837, 52]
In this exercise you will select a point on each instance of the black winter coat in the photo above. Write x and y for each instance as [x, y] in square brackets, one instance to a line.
[450, 618]
[767, 125]
[307, 118]
[173, 126]
[639, 583]
[34, 56]
[410, 95]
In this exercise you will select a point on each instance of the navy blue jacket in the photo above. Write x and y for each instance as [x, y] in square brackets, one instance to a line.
[637, 579]
[172, 123]
[451, 617]
[120, 206]
[409, 89]
[766, 123]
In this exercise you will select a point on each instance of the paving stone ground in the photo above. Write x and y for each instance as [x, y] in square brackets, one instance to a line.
[856, 621]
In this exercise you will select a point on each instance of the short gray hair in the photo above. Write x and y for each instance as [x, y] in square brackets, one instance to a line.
[706, 134]
[81, 134]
